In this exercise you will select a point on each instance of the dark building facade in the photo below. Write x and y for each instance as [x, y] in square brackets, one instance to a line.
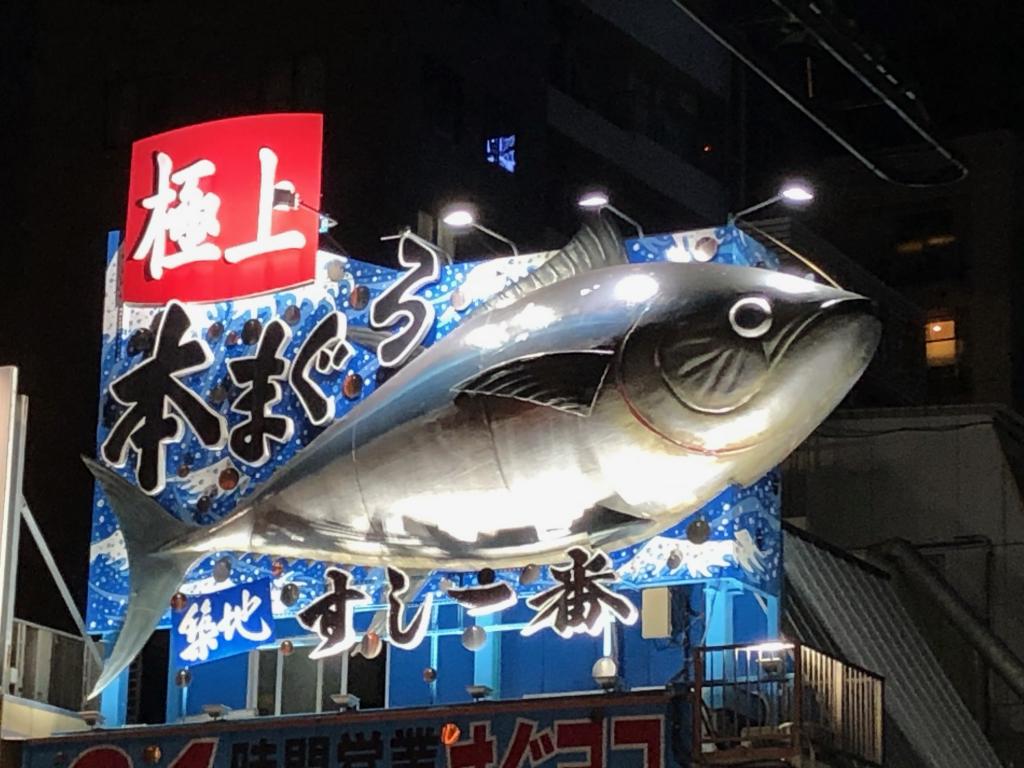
[953, 250]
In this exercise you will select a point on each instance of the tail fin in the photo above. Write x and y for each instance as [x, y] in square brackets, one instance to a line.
[154, 576]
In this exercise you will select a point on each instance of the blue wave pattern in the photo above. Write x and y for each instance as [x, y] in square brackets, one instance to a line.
[193, 493]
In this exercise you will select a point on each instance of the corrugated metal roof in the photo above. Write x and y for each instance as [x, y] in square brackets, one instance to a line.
[847, 608]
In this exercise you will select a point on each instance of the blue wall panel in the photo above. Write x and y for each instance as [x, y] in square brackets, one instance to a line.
[218, 682]
[406, 677]
[455, 670]
[749, 622]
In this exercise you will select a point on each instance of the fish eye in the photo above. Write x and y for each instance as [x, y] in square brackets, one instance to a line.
[751, 317]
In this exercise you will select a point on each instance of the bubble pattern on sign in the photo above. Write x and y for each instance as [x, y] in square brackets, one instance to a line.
[199, 495]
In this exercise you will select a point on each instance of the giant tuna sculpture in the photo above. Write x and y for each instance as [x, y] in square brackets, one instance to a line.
[594, 402]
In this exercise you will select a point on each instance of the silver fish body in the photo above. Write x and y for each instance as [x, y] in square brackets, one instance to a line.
[435, 470]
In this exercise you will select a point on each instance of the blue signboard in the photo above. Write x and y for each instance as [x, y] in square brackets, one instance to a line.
[329, 333]
[634, 731]
[223, 623]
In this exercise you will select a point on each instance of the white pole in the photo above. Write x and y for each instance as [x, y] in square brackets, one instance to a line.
[13, 415]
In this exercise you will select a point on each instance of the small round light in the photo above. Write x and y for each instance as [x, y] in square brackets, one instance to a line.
[529, 574]
[222, 570]
[593, 199]
[458, 215]
[359, 297]
[335, 271]
[698, 531]
[429, 675]
[251, 331]
[352, 387]
[215, 331]
[178, 601]
[936, 328]
[290, 594]
[604, 667]
[371, 645]
[705, 249]
[287, 647]
[228, 479]
[183, 678]
[474, 637]
[797, 192]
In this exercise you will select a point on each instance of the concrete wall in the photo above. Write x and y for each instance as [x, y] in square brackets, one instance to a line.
[939, 478]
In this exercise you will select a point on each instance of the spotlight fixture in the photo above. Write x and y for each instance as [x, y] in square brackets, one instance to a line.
[216, 711]
[290, 200]
[345, 701]
[91, 717]
[462, 216]
[478, 692]
[596, 199]
[794, 192]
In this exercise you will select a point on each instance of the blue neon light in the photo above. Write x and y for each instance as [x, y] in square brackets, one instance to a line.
[501, 151]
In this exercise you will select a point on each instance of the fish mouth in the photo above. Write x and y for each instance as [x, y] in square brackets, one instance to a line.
[830, 311]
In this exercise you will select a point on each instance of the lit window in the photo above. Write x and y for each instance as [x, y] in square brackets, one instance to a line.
[920, 245]
[501, 151]
[910, 246]
[940, 342]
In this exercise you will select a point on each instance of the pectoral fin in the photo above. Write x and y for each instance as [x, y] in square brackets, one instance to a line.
[566, 381]
[617, 504]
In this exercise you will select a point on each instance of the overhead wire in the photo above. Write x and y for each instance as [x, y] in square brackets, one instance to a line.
[844, 143]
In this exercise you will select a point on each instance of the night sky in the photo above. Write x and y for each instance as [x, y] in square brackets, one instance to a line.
[65, 186]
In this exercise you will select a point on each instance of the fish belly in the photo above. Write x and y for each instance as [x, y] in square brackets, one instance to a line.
[481, 480]
[484, 473]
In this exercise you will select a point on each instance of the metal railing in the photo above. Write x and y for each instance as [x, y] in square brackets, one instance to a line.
[776, 701]
[50, 666]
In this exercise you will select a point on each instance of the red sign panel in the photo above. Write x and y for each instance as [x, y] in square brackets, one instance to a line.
[223, 209]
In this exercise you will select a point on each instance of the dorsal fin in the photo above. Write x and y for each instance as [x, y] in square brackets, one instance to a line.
[596, 245]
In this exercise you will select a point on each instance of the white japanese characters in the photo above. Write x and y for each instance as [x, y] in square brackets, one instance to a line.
[184, 214]
[265, 241]
[186, 224]
[401, 307]
[204, 632]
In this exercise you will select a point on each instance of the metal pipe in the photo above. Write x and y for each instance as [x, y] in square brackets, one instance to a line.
[733, 217]
[922, 575]
[62, 587]
[625, 217]
[966, 542]
[497, 236]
